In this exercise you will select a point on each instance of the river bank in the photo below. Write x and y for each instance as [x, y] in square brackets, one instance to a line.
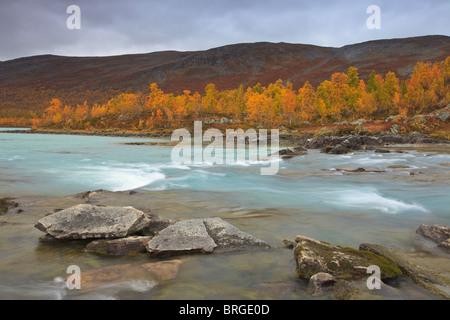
[335, 144]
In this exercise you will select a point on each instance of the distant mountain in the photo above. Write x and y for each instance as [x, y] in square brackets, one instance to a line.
[227, 66]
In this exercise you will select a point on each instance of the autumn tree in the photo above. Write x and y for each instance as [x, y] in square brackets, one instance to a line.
[307, 99]
[53, 114]
[209, 101]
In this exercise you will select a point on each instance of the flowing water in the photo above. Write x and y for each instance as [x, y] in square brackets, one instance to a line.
[309, 195]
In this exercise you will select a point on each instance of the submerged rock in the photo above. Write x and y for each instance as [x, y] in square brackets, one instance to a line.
[91, 196]
[436, 233]
[313, 256]
[119, 247]
[150, 274]
[373, 170]
[86, 221]
[321, 284]
[429, 272]
[6, 204]
[434, 239]
[202, 236]
[292, 152]
[357, 290]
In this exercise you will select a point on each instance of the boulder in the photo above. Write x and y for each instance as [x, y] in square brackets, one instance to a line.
[187, 236]
[292, 152]
[119, 247]
[86, 221]
[312, 256]
[229, 238]
[224, 120]
[321, 284]
[202, 236]
[429, 272]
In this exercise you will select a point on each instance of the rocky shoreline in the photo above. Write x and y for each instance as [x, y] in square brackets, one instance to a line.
[328, 144]
[351, 143]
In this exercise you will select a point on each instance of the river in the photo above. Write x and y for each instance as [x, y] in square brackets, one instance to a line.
[309, 195]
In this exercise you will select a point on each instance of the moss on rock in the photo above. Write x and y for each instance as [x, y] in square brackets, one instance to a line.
[313, 256]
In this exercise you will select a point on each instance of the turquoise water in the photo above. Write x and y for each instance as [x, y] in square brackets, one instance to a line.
[308, 195]
[67, 164]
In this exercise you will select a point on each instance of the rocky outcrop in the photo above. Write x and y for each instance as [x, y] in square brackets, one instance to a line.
[350, 143]
[202, 236]
[312, 256]
[119, 247]
[341, 145]
[429, 272]
[86, 221]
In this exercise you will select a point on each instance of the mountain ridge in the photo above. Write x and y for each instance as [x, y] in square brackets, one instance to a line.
[226, 66]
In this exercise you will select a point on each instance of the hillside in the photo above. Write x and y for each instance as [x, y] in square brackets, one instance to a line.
[30, 83]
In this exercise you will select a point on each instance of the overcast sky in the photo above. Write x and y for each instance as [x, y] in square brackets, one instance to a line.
[112, 27]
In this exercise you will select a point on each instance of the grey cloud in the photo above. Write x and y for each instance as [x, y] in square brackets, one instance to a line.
[31, 27]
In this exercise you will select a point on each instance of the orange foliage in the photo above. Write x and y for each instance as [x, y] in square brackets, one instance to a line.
[344, 97]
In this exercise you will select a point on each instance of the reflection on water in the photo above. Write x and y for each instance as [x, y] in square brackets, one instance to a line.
[308, 196]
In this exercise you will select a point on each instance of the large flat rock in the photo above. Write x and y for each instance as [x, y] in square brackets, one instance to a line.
[202, 236]
[229, 238]
[187, 236]
[86, 221]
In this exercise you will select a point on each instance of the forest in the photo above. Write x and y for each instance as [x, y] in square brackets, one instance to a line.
[344, 97]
